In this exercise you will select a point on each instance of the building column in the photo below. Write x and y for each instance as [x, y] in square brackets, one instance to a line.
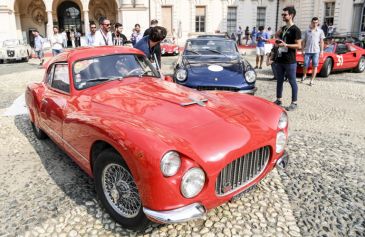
[120, 16]
[49, 24]
[86, 21]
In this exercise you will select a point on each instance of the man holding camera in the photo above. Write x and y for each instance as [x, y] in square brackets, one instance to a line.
[290, 41]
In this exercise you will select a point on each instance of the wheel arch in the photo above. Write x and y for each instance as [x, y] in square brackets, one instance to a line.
[96, 148]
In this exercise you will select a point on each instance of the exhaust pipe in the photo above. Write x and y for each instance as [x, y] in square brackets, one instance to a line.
[283, 161]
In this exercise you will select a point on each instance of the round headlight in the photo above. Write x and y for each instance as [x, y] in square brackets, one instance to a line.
[192, 182]
[181, 75]
[280, 141]
[250, 76]
[283, 121]
[170, 163]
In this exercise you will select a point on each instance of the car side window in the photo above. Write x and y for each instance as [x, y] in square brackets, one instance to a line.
[341, 49]
[61, 80]
[49, 77]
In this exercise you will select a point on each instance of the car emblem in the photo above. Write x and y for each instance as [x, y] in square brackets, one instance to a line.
[215, 79]
[194, 101]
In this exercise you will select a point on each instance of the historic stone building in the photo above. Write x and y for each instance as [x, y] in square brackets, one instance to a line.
[182, 18]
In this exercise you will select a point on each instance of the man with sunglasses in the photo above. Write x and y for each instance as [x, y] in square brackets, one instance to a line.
[103, 36]
[290, 41]
[90, 37]
[312, 48]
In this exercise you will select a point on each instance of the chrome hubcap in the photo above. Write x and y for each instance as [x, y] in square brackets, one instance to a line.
[362, 64]
[121, 191]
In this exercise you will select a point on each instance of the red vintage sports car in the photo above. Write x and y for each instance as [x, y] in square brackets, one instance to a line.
[336, 57]
[156, 150]
[168, 47]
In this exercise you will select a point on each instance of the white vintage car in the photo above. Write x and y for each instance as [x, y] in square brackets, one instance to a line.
[11, 50]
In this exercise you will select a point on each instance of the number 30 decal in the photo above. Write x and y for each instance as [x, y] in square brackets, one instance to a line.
[340, 60]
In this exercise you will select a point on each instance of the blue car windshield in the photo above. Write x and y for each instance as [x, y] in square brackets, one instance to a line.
[203, 47]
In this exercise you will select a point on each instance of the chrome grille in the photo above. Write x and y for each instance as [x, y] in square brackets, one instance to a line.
[219, 88]
[242, 170]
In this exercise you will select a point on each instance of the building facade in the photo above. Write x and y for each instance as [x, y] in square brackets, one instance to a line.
[182, 18]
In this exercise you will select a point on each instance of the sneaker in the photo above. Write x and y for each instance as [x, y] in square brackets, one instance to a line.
[291, 107]
[256, 67]
[311, 83]
[278, 102]
[303, 79]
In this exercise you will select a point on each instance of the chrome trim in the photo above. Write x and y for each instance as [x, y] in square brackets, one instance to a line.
[251, 92]
[283, 161]
[182, 214]
[194, 101]
[242, 171]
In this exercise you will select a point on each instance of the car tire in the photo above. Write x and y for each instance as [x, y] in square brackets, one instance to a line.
[38, 132]
[108, 165]
[361, 65]
[326, 68]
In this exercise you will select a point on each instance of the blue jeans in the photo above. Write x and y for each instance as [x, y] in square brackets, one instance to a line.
[311, 56]
[56, 51]
[290, 71]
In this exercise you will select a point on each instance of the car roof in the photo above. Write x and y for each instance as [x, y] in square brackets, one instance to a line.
[73, 55]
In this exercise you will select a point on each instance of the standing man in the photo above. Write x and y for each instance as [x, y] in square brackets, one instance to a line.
[90, 37]
[260, 47]
[38, 46]
[118, 38]
[312, 48]
[154, 23]
[56, 42]
[286, 65]
[149, 43]
[64, 39]
[136, 35]
[331, 30]
[253, 36]
[239, 35]
[103, 36]
[325, 28]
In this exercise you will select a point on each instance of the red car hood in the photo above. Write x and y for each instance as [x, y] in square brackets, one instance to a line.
[160, 102]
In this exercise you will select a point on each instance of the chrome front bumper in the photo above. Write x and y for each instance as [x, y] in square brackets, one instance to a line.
[182, 214]
[283, 161]
[251, 92]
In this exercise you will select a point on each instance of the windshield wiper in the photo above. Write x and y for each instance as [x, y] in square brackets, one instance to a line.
[103, 79]
[192, 51]
[214, 51]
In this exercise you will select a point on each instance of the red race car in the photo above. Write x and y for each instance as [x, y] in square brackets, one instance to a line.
[156, 150]
[168, 47]
[336, 57]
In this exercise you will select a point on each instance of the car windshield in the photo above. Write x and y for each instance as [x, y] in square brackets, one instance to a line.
[8, 43]
[210, 47]
[93, 71]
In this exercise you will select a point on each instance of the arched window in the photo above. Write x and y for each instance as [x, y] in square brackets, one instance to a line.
[69, 16]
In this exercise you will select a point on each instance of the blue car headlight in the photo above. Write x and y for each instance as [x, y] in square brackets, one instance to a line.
[181, 75]
[250, 76]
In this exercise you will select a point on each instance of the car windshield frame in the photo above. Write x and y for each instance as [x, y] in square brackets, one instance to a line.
[100, 80]
[212, 52]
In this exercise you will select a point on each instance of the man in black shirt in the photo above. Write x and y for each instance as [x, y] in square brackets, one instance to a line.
[290, 41]
[117, 37]
[154, 23]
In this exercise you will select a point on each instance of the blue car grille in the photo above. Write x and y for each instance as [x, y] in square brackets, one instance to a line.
[242, 171]
[219, 88]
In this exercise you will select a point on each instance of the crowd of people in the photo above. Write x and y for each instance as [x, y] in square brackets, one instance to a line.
[148, 42]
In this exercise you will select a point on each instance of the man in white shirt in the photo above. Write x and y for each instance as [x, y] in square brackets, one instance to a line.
[90, 37]
[64, 38]
[56, 42]
[103, 36]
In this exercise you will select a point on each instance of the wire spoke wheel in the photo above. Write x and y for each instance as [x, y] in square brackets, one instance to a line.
[120, 190]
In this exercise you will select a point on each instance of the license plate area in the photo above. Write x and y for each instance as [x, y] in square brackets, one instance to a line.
[247, 190]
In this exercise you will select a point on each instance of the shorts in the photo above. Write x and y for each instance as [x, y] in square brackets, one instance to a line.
[39, 54]
[311, 56]
[260, 51]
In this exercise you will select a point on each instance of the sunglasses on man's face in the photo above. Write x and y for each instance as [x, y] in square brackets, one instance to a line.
[106, 24]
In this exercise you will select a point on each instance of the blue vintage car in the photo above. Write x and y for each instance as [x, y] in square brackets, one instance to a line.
[214, 64]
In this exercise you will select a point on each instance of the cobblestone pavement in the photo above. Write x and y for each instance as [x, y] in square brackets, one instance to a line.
[322, 193]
